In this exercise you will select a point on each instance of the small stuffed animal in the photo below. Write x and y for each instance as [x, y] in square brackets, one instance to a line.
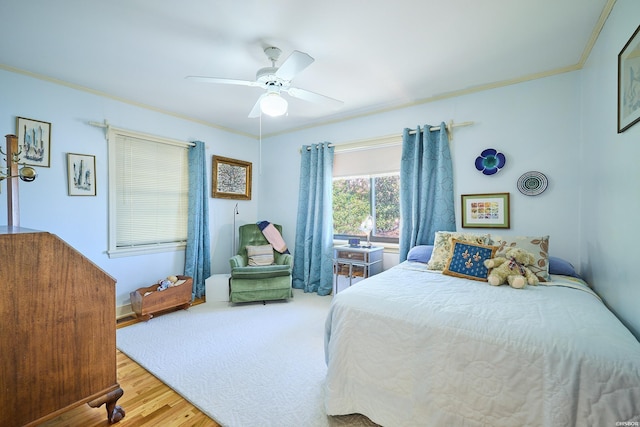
[167, 283]
[164, 284]
[512, 269]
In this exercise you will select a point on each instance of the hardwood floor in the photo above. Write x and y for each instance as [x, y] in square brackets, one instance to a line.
[147, 402]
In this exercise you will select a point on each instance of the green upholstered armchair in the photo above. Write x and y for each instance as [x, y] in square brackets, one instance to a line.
[259, 283]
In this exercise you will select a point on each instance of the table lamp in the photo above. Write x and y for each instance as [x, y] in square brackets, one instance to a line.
[367, 227]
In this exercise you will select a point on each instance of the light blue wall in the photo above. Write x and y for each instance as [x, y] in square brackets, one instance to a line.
[610, 198]
[82, 221]
[534, 123]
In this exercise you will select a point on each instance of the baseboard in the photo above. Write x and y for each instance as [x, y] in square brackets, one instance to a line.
[123, 311]
[126, 316]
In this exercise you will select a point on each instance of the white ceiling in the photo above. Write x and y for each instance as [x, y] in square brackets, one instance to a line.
[372, 54]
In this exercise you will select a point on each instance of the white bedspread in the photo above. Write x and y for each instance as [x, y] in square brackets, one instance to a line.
[409, 347]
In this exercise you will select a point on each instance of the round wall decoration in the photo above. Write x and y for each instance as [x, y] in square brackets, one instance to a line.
[532, 183]
[490, 161]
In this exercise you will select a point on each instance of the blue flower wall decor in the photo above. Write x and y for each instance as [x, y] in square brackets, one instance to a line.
[490, 161]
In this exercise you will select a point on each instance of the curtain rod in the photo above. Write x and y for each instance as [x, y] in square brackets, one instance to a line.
[449, 126]
[107, 126]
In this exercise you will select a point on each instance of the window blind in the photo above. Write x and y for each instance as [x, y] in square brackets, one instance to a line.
[152, 188]
[363, 159]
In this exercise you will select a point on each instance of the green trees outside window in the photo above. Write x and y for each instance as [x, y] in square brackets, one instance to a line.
[358, 196]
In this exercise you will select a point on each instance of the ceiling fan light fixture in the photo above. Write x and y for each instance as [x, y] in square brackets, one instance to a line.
[274, 105]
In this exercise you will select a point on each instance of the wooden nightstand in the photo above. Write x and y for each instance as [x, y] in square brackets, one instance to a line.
[355, 262]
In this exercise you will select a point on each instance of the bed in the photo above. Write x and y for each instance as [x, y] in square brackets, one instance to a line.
[412, 346]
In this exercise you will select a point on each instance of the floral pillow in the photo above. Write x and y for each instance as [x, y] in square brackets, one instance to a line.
[537, 245]
[467, 260]
[442, 246]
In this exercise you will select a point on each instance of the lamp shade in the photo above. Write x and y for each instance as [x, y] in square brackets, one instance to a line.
[367, 227]
[272, 104]
[367, 224]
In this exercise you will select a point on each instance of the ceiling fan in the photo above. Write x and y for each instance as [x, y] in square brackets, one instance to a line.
[276, 80]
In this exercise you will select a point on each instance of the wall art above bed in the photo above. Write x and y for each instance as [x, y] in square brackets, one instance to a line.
[485, 210]
[532, 183]
[490, 161]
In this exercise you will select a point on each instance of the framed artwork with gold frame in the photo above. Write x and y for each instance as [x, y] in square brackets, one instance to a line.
[231, 178]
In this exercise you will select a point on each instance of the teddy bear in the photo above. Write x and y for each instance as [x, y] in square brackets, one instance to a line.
[512, 269]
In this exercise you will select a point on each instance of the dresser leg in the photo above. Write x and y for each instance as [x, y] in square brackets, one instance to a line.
[114, 412]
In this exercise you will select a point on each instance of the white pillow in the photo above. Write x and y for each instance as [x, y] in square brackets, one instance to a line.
[260, 255]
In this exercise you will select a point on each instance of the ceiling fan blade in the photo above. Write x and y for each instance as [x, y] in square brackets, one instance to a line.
[309, 96]
[295, 63]
[255, 111]
[204, 79]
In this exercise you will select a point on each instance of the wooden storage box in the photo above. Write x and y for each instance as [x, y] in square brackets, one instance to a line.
[145, 306]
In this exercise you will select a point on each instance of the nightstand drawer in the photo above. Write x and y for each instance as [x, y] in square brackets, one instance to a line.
[356, 256]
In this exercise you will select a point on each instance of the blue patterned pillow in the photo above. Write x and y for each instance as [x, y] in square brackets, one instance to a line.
[467, 260]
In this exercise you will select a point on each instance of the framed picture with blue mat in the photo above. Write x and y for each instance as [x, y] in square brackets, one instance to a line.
[467, 260]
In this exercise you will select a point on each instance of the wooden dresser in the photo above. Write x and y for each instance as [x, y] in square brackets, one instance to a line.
[57, 331]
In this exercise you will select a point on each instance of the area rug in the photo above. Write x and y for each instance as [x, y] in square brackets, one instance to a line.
[243, 365]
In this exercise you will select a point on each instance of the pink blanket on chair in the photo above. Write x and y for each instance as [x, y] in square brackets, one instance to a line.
[273, 236]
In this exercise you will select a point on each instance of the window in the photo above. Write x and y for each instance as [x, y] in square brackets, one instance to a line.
[356, 197]
[148, 193]
[366, 181]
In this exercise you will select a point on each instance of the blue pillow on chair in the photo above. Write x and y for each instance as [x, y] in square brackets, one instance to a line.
[420, 253]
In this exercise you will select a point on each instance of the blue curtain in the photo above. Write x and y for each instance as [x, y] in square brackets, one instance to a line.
[197, 259]
[313, 258]
[426, 187]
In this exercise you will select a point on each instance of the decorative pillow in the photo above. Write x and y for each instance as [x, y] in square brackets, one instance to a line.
[537, 245]
[467, 260]
[420, 253]
[442, 246]
[561, 266]
[260, 255]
